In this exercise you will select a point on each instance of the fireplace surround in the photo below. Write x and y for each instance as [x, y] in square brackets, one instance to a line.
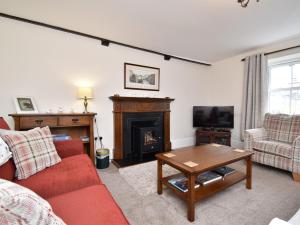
[141, 128]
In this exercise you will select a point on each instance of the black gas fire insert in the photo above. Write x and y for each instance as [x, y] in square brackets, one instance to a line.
[142, 136]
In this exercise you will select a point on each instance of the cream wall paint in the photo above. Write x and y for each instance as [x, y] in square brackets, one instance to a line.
[227, 81]
[49, 65]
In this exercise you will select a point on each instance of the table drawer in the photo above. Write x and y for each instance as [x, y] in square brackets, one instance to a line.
[30, 122]
[74, 121]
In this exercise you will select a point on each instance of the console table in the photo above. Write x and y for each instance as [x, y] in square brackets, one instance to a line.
[75, 125]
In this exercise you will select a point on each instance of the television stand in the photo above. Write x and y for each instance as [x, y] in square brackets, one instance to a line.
[221, 136]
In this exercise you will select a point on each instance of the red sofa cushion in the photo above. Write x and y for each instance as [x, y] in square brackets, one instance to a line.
[7, 170]
[90, 206]
[70, 174]
[3, 124]
[69, 148]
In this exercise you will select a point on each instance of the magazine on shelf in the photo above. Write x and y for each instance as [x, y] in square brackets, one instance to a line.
[224, 171]
[85, 138]
[181, 183]
[208, 177]
[61, 137]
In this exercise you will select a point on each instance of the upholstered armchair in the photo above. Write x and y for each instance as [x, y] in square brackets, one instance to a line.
[277, 143]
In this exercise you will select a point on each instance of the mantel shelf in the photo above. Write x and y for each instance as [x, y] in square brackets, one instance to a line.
[125, 98]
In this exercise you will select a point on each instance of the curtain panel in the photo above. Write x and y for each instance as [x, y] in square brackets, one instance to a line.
[255, 93]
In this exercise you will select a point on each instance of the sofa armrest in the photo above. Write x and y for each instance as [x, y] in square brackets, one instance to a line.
[251, 135]
[69, 148]
[296, 155]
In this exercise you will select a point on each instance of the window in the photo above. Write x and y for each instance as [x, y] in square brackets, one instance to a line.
[284, 88]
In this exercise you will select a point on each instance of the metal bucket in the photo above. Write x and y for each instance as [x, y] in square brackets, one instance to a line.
[102, 158]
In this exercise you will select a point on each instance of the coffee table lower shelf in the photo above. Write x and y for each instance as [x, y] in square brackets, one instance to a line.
[209, 189]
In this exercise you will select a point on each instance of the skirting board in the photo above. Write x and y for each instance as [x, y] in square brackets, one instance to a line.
[236, 143]
[184, 142]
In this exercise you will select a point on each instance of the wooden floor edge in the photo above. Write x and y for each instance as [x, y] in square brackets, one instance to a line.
[296, 177]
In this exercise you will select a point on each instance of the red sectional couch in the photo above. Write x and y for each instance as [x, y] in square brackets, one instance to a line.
[72, 187]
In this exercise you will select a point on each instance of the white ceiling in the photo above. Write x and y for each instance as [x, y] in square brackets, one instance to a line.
[205, 30]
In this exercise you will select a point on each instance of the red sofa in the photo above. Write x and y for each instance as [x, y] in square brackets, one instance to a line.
[72, 187]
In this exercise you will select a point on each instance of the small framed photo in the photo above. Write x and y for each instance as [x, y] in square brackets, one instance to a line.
[141, 77]
[25, 104]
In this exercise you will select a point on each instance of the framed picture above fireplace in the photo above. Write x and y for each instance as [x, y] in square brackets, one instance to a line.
[141, 77]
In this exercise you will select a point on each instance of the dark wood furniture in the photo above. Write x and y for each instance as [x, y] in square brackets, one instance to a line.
[74, 124]
[207, 157]
[123, 105]
[213, 136]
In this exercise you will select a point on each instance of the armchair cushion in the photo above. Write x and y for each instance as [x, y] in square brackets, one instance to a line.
[274, 147]
[282, 127]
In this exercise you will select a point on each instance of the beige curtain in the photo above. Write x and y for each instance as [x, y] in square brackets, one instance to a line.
[254, 93]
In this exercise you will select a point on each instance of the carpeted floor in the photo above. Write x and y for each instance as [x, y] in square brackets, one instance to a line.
[274, 194]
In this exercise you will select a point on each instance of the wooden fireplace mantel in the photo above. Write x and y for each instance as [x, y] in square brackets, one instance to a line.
[122, 104]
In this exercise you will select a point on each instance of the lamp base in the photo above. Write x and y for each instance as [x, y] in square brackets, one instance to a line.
[85, 103]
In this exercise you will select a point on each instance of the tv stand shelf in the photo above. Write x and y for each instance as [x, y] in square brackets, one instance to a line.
[213, 136]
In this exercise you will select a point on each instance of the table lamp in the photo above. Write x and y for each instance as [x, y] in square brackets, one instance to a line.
[85, 93]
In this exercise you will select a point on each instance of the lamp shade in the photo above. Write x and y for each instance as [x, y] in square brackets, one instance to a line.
[83, 92]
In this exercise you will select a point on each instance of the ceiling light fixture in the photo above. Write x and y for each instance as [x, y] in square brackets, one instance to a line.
[244, 3]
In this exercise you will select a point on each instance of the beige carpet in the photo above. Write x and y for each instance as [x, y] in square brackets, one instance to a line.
[274, 194]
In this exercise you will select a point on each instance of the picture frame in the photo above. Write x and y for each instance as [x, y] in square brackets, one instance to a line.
[25, 105]
[140, 77]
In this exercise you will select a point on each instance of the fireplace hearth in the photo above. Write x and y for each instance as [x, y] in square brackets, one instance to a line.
[141, 129]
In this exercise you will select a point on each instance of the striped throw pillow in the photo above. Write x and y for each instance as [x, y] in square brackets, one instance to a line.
[32, 151]
[19, 205]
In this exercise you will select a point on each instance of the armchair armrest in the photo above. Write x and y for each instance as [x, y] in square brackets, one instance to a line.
[251, 135]
[296, 155]
[69, 148]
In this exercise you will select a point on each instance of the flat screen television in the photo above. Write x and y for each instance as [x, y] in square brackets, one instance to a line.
[213, 116]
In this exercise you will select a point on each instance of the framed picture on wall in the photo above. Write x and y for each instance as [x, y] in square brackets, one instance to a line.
[25, 104]
[141, 77]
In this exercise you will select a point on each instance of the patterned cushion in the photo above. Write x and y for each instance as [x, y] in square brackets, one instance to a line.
[273, 160]
[275, 148]
[32, 151]
[19, 205]
[282, 127]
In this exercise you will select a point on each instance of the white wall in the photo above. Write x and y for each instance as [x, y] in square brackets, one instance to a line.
[49, 65]
[227, 81]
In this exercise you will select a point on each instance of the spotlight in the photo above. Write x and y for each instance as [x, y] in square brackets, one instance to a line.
[105, 42]
[167, 57]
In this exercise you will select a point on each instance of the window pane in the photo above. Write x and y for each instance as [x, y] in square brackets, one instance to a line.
[295, 102]
[279, 102]
[280, 77]
[296, 75]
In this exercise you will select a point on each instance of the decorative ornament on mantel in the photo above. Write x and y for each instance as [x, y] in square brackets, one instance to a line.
[244, 3]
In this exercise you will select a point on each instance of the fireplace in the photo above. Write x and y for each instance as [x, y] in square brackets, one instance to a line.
[142, 136]
[141, 128]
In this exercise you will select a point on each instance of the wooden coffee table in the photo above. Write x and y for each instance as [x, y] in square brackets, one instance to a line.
[202, 158]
